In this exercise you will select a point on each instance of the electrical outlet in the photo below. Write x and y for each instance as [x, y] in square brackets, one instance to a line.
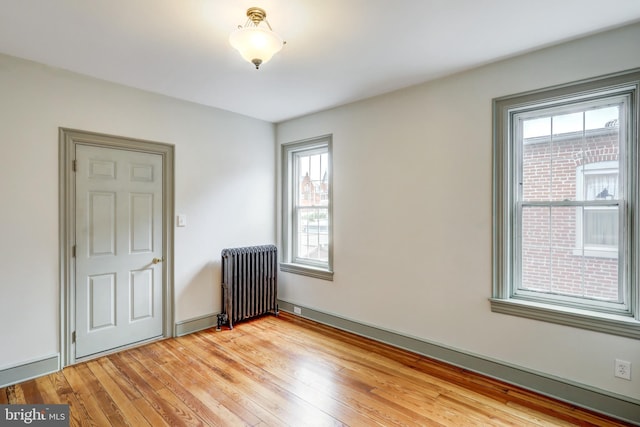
[623, 369]
[297, 310]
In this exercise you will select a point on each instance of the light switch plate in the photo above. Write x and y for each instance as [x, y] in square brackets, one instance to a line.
[182, 220]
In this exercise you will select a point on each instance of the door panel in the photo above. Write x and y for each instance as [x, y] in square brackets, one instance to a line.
[141, 299]
[141, 235]
[102, 301]
[118, 291]
[101, 224]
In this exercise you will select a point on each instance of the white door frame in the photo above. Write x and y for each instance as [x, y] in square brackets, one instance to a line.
[68, 139]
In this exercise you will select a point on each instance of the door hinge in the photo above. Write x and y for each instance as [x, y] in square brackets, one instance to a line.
[73, 251]
[73, 337]
[74, 165]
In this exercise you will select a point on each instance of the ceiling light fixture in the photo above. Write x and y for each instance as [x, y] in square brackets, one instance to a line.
[257, 44]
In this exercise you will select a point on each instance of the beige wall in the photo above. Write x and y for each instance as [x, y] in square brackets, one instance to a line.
[412, 214]
[224, 177]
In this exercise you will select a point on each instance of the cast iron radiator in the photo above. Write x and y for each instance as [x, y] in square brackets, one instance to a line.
[249, 283]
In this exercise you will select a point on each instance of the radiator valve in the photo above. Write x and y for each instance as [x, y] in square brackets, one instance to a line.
[222, 319]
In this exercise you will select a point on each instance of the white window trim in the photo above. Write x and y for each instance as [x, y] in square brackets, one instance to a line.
[288, 262]
[503, 298]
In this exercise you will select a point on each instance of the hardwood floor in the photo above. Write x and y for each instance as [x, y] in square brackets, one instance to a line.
[286, 371]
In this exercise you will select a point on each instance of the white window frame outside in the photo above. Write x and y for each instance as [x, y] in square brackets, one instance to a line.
[289, 262]
[624, 319]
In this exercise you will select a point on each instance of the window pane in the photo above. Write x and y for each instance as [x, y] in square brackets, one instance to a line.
[551, 261]
[563, 226]
[567, 123]
[605, 117]
[601, 279]
[533, 128]
[536, 249]
[567, 272]
[567, 150]
[556, 147]
[312, 180]
[536, 159]
[567, 262]
[313, 234]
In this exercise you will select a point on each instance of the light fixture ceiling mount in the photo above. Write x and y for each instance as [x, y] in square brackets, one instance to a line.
[256, 43]
[257, 15]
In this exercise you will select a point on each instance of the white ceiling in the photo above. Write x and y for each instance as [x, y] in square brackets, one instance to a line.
[337, 51]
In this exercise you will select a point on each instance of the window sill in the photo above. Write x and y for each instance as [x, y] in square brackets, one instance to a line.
[306, 270]
[584, 319]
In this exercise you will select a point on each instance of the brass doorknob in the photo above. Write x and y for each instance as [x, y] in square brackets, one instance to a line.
[157, 260]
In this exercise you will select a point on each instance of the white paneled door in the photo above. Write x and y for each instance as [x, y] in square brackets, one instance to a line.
[118, 286]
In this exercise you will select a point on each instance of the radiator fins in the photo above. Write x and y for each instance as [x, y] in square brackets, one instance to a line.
[249, 283]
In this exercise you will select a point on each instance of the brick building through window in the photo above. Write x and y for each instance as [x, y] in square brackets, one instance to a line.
[569, 250]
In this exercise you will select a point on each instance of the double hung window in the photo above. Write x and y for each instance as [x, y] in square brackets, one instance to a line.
[566, 204]
[307, 222]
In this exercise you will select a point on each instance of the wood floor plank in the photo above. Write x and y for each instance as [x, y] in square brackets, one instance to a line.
[129, 412]
[357, 396]
[128, 389]
[31, 392]
[153, 391]
[309, 385]
[149, 413]
[372, 366]
[133, 390]
[47, 390]
[281, 402]
[207, 388]
[78, 415]
[287, 371]
[379, 374]
[209, 410]
[372, 377]
[214, 374]
[15, 394]
[87, 400]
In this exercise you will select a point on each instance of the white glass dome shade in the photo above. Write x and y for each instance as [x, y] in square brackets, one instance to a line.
[256, 44]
